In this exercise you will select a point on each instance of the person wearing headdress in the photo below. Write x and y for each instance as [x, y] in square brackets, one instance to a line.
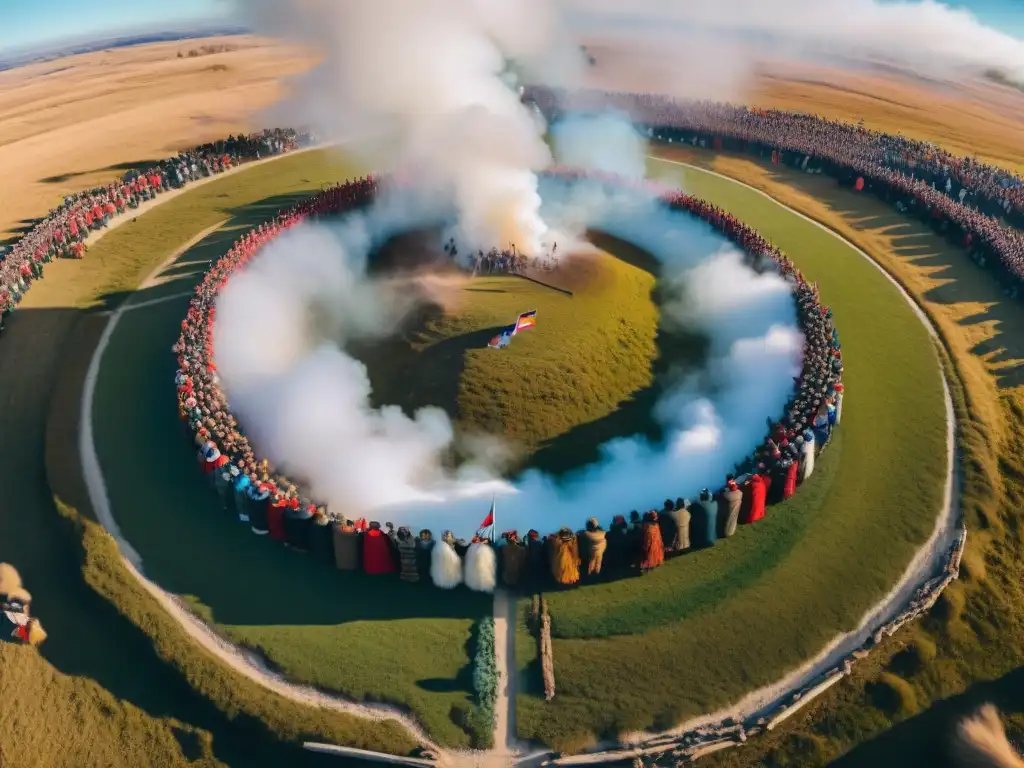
[822, 428]
[704, 520]
[481, 571]
[636, 539]
[565, 557]
[617, 556]
[461, 548]
[668, 522]
[777, 488]
[594, 546]
[513, 559]
[730, 499]
[653, 546]
[755, 494]
[790, 479]
[405, 544]
[321, 537]
[257, 500]
[298, 520]
[275, 516]
[536, 559]
[445, 564]
[378, 556]
[424, 547]
[347, 546]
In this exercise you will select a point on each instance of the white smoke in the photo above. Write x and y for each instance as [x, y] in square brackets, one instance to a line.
[431, 87]
[607, 142]
[711, 48]
[306, 403]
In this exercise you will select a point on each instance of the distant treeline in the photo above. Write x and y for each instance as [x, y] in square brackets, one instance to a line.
[207, 50]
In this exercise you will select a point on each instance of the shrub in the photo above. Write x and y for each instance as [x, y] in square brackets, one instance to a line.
[893, 695]
[485, 683]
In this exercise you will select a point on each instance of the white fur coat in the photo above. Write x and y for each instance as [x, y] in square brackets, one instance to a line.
[445, 566]
[481, 568]
[807, 459]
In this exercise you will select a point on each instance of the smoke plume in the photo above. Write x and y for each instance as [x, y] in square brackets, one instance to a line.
[306, 402]
[430, 87]
[711, 48]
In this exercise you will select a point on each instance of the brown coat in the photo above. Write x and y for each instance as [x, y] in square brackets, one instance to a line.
[594, 546]
[513, 563]
[347, 546]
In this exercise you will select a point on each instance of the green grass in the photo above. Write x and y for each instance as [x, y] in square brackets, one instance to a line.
[708, 627]
[808, 571]
[589, 371]
[970, 649]
[375, 639]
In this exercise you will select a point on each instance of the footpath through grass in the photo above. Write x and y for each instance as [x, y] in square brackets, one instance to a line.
[117, 683]
[705, 629]
[901, 706]
[369, 638]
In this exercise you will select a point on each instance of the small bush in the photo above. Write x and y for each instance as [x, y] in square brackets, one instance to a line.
[950, 605]
[893, 695]
[485, 684]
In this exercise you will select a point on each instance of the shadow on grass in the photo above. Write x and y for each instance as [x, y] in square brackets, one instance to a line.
[926, 739]
[129, 165]
[919, 243]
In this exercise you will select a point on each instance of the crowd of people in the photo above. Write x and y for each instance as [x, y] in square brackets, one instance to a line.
[977, 205]
[271, 504]
[63, 232]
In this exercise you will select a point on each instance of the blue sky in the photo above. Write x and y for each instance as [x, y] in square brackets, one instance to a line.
[25, 23]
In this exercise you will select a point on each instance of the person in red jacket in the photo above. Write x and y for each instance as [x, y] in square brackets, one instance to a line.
[755, 493]
[792, 473]
[378, 557]
[275, 516]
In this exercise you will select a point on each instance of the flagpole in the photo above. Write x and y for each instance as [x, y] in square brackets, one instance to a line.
[494, 517]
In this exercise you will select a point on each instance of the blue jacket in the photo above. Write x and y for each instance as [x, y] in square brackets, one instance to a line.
[242, 482]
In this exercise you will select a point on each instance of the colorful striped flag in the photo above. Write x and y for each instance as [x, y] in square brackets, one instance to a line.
[526, 320]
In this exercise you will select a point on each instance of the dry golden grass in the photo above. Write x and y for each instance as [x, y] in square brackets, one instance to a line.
[970, 118]
[68, 124]
[979, 118]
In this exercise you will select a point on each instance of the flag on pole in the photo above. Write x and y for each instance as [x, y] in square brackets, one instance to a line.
[525, 321]
[486, 529]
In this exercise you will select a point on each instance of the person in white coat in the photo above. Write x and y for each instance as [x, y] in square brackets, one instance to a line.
[445, 565]
[481, 566]
[807, 455]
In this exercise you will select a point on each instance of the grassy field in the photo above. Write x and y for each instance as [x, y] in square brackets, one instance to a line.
[901, 706]
[589, 371]
[118, 682]
[81, 121]
[808, 571]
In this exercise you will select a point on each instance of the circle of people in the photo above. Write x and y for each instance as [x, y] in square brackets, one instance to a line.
[63, 232]
[976, 205]
[271, 505]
